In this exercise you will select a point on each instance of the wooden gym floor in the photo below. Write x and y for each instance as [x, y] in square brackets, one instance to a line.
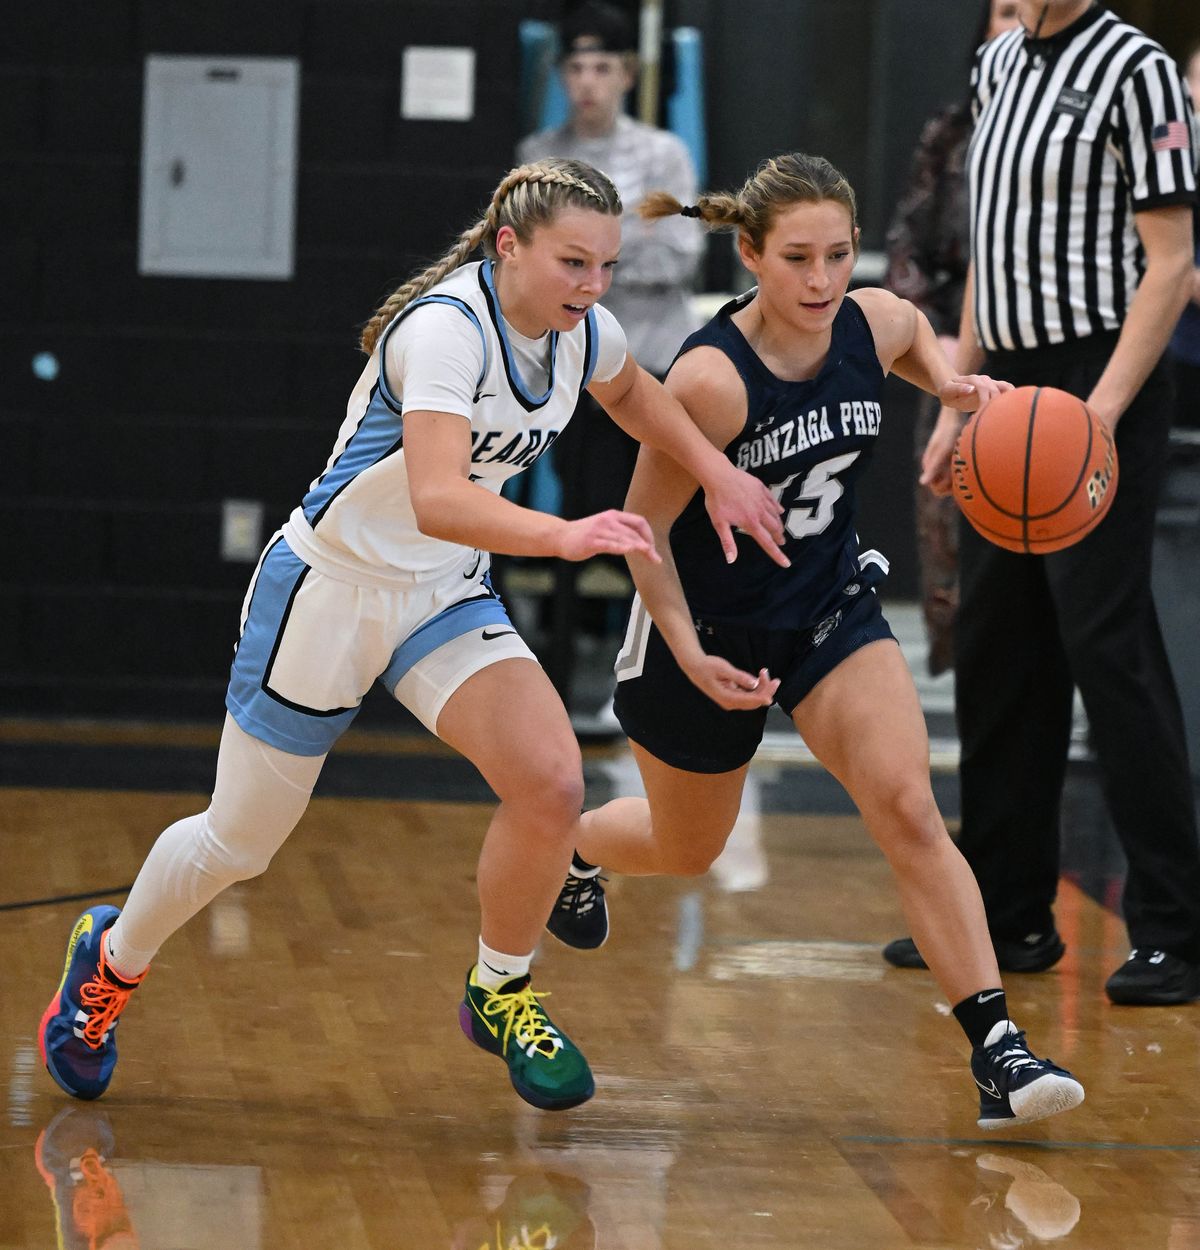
[292, 1073]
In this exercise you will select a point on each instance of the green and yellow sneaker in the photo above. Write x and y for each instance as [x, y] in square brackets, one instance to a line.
[546, 1068]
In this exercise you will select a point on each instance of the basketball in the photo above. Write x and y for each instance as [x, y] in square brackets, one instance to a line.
[1035, 470]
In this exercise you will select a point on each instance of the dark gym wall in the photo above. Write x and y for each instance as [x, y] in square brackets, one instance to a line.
[852, 80]
[175, 393]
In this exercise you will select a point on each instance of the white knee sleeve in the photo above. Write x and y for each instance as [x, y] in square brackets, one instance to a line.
[260, 795]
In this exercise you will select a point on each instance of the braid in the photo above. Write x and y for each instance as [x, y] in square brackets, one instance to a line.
[778, 183]
[557, 176]
[717, 210]
[414, 288]
[520, 202]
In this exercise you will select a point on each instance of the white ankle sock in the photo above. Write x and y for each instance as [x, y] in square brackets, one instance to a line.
[495, 968]
[120, 959]
[582, 869]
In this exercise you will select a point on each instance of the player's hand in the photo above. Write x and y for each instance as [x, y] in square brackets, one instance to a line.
[968, 392]
[935, 460]
[737, 500]
[614, 532]
[729, 687]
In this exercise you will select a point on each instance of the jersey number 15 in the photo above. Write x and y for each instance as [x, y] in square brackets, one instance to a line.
[822, 488]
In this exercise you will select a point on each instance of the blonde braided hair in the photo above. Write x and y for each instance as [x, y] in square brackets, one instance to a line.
[529, 196]
[775, 185]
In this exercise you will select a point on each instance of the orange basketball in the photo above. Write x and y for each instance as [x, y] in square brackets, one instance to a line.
[1035, 470]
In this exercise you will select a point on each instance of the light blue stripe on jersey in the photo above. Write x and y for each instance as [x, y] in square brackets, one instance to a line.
[455, 621]
[381, 430]
[454, 302]
[593, 348]
[379, 434]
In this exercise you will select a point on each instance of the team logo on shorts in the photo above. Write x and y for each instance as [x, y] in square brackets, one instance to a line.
[826, 627]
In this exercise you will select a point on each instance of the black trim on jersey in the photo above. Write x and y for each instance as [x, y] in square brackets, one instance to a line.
[1170, 200]
[395, 447]
[283, 620]
[432, 297]
[591, 349]
[515, 385]
[345, 449]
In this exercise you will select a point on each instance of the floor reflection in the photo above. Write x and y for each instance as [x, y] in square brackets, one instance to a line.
[73, 1155]
[1033, 1203]
[533, 1210]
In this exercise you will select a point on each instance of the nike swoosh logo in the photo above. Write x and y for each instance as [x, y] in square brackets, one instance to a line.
[989, 1088]
[493, 1029]
[498, 634]
[83, 926]
[987, 998]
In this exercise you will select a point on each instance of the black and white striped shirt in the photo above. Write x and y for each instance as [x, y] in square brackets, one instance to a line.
[1074, 135]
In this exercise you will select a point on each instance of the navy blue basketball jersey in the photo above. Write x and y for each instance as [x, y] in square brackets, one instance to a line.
[809, 442]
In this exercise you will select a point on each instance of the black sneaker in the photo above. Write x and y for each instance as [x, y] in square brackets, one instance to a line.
[580, 917]
[1016, 1087]
[1033, 953]
[1150, 978]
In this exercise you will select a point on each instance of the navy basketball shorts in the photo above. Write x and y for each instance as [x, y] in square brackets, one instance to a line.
[664, 713]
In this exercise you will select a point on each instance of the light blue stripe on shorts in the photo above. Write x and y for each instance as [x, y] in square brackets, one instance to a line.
[265, 714]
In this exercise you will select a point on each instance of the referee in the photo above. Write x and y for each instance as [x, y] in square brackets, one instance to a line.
[1082, 177]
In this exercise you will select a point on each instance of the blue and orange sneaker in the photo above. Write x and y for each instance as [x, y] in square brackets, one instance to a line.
[78, 1028]
[72, 1154]
[546, 1068]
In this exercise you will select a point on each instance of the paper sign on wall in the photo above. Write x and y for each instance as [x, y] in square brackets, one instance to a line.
[438, 84]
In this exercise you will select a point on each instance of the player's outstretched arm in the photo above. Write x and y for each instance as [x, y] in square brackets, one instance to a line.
[644, 409]
[448, 505]
[659, 491]
[908, 347]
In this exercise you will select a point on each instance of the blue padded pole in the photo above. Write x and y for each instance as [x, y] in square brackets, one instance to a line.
[685, 105]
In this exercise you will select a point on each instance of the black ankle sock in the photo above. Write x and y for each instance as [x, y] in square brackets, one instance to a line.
[577, 861]
[980, 1014]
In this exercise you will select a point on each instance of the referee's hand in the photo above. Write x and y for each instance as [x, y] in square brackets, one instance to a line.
[935, 460]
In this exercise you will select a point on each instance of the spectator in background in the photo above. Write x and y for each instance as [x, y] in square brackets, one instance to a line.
[928, 250]
[652, 284]
[1185, 343]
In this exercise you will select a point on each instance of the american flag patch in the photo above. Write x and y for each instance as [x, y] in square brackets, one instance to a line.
[1169, 137]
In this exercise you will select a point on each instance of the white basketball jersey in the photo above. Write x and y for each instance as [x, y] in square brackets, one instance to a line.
[357, 520]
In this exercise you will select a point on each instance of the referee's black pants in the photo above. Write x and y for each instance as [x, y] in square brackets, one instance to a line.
[1033, 627]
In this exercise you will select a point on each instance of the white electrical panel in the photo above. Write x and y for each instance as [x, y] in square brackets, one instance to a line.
[218, 193]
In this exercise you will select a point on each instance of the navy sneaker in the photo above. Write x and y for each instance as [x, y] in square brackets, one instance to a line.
[580, 916]
[1016, 1087]
[77, 1034]
[1150, 978]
